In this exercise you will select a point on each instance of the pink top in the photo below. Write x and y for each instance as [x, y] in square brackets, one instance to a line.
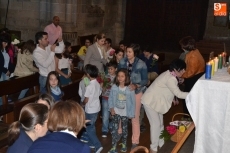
[11, 53]
[53, 33]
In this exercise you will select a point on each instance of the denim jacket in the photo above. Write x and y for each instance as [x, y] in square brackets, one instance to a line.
[139, 74]
[130, 100]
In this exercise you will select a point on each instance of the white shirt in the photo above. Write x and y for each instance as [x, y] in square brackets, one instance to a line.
[44, 59]
[63, 63]
[93, 91]
[69, 132]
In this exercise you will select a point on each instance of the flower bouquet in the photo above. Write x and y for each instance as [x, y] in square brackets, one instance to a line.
[155, 59]
[104, 81]
[111, 53]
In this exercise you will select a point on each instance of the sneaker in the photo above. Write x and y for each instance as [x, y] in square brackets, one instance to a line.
[123, 147]
[104, 134]
[133, 146]
[84, 139]
[113, 150]
[99, 150]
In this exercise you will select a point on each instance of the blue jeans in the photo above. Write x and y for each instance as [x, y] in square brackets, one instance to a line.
[91, 130]
[23, 93]
[42, 82]
[105, 115]
[3, 78]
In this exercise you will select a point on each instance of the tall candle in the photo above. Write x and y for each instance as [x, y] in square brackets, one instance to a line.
[213, 66]
[220, 61]
[208, 70]
[216, 63]
[224, 58]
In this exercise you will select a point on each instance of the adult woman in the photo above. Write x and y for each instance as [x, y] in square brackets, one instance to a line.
[6, 67]
[138, 76]
[96, 54]
[66, 119]
[195, 64]
[24, 64]
[31, 125]
[158, 98]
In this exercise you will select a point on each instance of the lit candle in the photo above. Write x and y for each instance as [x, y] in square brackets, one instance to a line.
[216, 64]
[213, 66]
[208, 70]
[220, 61]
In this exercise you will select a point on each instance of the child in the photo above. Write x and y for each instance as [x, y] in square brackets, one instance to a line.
[82, 52]
[82, 87]
[112, 68]
[119, 54]
[92, 106]
[46, 99]
[53, 86]
[62, 66]
[122, 107]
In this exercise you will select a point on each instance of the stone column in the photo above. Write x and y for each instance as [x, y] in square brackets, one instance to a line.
[120, 20]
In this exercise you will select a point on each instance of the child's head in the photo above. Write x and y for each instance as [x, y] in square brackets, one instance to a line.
[122, 77]
[88, 43]
[68, 46]
[91, 71]
[46, 99]
[112, 68]
[119, 54]
[52, 80]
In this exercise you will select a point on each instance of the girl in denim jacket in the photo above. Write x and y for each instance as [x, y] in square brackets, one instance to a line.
[122, 107]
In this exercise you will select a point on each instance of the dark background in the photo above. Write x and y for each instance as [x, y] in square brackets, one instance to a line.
[162, 23]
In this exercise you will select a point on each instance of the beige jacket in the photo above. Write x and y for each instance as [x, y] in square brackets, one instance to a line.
[93, 57]
[160, 93]
[24, 65]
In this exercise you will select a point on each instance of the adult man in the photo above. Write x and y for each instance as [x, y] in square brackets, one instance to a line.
[54, 30]
[43, 56]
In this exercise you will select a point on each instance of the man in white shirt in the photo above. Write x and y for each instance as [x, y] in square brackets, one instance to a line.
[43, 56]
[54, 30]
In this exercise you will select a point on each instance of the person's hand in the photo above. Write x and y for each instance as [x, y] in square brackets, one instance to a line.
[132, 87]
[112, 111]
[86, 121]
[180, 80]
[52, 48]
[8, 73]
[175, 101]
[59, 39]
[67, 76]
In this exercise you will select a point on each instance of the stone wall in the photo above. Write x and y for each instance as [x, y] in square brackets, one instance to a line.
[81, 16]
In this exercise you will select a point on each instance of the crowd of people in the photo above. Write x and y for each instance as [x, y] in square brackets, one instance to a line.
[123, 83]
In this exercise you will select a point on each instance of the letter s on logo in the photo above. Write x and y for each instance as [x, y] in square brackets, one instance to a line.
[217, 6]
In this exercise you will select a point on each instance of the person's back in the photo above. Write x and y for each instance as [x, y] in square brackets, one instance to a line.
[58, 142]
[66, 119]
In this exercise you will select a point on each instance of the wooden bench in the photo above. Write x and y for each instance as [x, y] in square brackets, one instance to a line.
[13, 86]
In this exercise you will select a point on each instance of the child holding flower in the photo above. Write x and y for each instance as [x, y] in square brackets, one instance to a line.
[106, 87]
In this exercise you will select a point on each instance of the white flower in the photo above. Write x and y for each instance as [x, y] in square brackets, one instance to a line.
[15, 42]
[155, 56]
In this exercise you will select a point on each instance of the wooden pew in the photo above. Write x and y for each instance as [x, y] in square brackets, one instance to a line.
[13, 86]
[71, 91]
